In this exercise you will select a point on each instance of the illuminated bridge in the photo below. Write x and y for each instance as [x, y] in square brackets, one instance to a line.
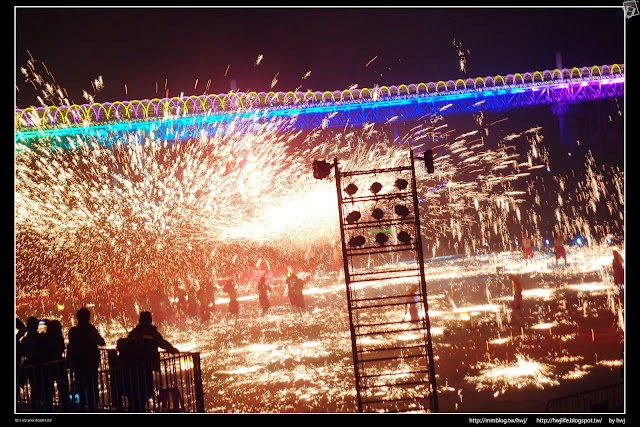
[180, 118]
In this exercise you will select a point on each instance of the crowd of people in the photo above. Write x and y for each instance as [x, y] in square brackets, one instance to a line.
[44, 362]
[72, 367]
[173, 301]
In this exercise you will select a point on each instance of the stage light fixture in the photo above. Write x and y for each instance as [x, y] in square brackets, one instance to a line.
[356, 241]
[377, 213]
[401, 210]
[401, 184]
[353, 217]
[375, 187]
[321, 169]
[381, 238]
[351, 189]
[404, 237]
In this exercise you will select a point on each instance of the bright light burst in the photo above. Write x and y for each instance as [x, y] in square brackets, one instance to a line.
[523, 372]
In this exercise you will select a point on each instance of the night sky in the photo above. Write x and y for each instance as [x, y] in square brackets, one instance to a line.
[196, 51]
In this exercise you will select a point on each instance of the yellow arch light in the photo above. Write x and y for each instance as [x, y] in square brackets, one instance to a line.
[615, 67]
[327, 95]
[575, 73]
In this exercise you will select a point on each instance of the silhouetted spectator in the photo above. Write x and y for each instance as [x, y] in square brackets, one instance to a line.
[21, 330]
[53, 352]
[141, 355]
[84, 359]
[31, 347]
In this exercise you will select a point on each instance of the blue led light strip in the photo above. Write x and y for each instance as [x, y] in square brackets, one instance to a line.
[353, 112]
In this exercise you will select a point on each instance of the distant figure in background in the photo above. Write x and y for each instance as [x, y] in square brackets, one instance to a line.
[83, 355]
[558, 246]
[527, 250]
[516, 304]
[263, 294]
[295, 286]
[230, 288]
[207, 298]
[412, 293]
[618, 274]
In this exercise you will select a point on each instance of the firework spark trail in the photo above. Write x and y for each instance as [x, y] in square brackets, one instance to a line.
[230, 196]
[244, 196]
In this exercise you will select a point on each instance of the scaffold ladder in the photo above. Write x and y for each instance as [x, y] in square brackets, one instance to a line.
[386, 290]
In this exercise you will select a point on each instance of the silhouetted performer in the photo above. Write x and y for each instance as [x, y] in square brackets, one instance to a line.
[206, 297]
[32, 345]
[618, 274]
[558, 246]
[230, 288]
[516, 304]
[83, 355]
[263, 294]
[412, 293]
[527, 250]
[294, 291]
[143, 358]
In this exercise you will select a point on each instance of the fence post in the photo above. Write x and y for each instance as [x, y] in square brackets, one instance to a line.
[197, 373]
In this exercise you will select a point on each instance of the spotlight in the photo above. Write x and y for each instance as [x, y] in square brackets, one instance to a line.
[321, 169]
[428, 160]
[401, 184]
[381, 238]
[401, 210]
[356, 241]
[378, 213]
[404, 237]
[375, 187]
[353, 217]
[351, 189]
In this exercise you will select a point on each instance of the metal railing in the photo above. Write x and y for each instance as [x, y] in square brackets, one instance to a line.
[173, 386]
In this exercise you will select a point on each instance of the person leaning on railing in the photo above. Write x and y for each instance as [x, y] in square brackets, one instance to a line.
[140, 353]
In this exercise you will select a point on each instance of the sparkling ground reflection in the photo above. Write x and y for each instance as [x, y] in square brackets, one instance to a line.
[288, 362]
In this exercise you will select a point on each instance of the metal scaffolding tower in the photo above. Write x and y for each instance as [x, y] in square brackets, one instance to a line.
[386, 290]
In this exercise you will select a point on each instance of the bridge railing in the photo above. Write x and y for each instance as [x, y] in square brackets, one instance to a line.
[173, 386]
[79, 115]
